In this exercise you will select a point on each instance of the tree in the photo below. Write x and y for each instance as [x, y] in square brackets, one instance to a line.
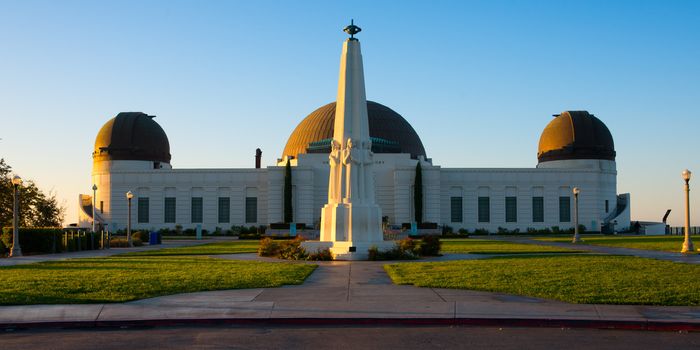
[418, 194]
[288, 212]
[37, 209]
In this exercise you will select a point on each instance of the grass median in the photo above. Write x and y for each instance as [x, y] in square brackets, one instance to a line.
[489, 246]
[587, 279]
[216, 248]
[660, 243]
[125, 278]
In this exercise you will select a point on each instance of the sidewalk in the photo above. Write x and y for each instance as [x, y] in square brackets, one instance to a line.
[351, 293]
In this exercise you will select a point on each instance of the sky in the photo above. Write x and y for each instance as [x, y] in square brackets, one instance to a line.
[478, 81]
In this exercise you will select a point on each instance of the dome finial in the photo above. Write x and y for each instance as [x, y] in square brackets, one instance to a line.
[352, 29]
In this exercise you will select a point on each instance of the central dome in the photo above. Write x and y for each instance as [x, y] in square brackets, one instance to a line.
[389, 131]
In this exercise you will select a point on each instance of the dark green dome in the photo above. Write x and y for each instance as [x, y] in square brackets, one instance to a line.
[132, 136]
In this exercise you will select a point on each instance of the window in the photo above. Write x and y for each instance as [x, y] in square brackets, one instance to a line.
[196, 209]
[537, 209]
[565, 209]
[102, 207]
[511, 209]
[456, 209]
[484, 209]
[169, 209]
[143, 210]
[224, 209]
[251, 209]
[607, 204]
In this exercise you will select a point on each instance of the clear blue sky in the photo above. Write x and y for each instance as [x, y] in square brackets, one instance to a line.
[478, 80]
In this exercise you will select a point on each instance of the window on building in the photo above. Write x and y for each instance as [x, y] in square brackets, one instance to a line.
[251, 209]
[102, 207]
[456, 209]
[169, 209]
[607, 204]
[197, 209]
[565, 209]
[224, 209]
[537, 209]
[484, 209]
[511, 209]
[143, 210]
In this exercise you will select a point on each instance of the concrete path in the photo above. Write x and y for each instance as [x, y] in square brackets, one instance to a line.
[351, 293]
[652, 254]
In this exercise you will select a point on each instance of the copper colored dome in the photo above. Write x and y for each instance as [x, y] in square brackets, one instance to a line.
[390, 132]
[575, 135]
[132, 136]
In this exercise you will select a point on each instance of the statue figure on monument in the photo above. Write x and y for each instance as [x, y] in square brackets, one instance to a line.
[334, 182]
[351, 159]
[367, 164]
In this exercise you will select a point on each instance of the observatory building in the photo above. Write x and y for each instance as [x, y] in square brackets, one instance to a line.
[576, 149]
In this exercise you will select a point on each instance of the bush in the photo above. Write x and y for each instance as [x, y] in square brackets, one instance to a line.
[408, 249]
[143, 236]
[268, 247]
[292, 250]
[40, 240]
[481, 232]
[123, 243]
[321, 255]
[430, 246]
[446, 230]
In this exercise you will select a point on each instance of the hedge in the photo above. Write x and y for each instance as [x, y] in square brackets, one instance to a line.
[43, 240]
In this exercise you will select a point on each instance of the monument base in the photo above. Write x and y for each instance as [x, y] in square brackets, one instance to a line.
[347, 250]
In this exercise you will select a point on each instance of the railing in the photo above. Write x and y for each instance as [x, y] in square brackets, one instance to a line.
[694, 230]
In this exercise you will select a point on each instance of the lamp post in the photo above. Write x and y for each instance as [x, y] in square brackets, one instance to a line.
[94, 202]
[687, 243]
[16, 248]
[577, 237]
[129, 196]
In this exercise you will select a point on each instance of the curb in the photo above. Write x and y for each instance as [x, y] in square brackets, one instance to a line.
[671, 326]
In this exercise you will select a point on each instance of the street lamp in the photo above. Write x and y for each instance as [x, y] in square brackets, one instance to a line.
[16, 248]
[687, 243]
[94, 202]
[577, 237]
[129, 196]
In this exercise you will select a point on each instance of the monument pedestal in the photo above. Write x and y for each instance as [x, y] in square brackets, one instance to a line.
[349, 230]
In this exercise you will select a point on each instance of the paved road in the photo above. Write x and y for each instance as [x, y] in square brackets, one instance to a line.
[365, 338]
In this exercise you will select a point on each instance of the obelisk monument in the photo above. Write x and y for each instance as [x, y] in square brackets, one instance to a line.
[351, 221]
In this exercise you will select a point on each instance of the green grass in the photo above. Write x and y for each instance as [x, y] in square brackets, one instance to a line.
[216, 248]
[122, 278]
[662, 243]
[571, 278]
[488, 246]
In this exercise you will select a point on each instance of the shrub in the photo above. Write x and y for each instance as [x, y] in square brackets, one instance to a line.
[430, 246]
[481, 232]
[143, 236]
[123, 243]
[268, 247]
[39, 240]
[446, 229]
[321, 255]
[463, 231]
[178, 230]
[292, 250]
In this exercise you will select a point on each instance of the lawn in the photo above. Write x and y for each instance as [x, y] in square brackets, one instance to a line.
[216, 248]
[662, 243]
[124, 278]
[587, 279]
[488, 246]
